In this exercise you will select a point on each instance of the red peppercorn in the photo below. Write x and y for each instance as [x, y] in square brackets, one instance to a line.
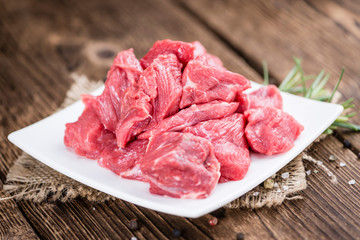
[213, 221]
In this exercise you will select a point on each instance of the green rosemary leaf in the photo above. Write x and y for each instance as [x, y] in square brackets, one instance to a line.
[328, 131]
[350, 115]
[266, 73]
[347, 102]
[322, 98]
[298, 64]
[308, 93]
[347, 125]
[294, 90]
[342, 119]
[321, 85]
[315, 83]
[337, 84]
[288, 77]
[350, 106]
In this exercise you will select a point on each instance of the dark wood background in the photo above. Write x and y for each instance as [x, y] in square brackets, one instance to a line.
[43, 42]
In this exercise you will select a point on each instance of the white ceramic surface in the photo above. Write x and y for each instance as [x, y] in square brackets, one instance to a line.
[44, 141]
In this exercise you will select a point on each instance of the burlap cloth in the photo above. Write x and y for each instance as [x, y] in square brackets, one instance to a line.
[29, 179]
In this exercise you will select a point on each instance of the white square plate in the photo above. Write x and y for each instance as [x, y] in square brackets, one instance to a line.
[44, 141]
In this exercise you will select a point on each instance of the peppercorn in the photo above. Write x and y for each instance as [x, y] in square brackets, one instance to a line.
[133, 224]
[347, 143]
[176, 232]
[240, 236]
[213, 221]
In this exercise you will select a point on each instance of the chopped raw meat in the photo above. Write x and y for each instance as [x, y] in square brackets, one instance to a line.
[123, 108]
[162, 82]
[267, 96]
[173, 119]
[199, 49]
[87, 136]
[135, 115]
[123, 73]
[120, 160]
[228, 138]
[244, 102]
[213, 60]
[103, 104]
[191, 116]
[180, 165]
[127, 61]
[134, 173]
[183, 50]
[204, 83]
[209, 59]
[270, 130]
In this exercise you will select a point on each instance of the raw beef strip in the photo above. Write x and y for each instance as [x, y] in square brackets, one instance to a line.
[162, 82]
[135, 115]
[123, 73]
[270, 130]
[244, 102]
[201, 54]
[180, 165]
[122, 107]
[127, 61]
[210, 60]
[191, 116]
[230, 146]
[134, 173]
[267, 96]
[204, 83]
[199, 49]
[120, 160]
[183, 50]
[87, 136]
[103, 104]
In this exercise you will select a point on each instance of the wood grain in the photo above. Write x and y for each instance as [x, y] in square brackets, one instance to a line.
[13, 225]
[276, 31]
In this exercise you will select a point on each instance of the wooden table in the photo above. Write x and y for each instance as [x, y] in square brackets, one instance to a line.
[43, 42]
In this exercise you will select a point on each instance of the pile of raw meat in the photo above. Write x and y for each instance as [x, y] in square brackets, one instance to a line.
[180, 121]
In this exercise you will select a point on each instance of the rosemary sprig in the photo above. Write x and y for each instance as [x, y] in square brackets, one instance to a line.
[337, 84]
[298, 64]
[296, 83]
[266, 73]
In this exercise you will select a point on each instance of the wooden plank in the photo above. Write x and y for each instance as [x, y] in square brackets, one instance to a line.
[346, 15]
[70, 221]
[328, 211]
[277, 30]
[340, 14]
[236, 221]
[13, 225]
